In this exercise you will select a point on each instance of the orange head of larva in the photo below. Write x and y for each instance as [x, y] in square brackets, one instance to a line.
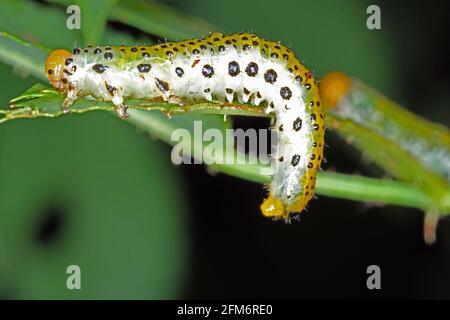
[54, 69]
[333, 87]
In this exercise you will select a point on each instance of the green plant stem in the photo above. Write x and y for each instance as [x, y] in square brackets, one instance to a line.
[351, 187]
[152, 117]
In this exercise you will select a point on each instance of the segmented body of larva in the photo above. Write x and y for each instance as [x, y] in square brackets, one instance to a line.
[240, 67]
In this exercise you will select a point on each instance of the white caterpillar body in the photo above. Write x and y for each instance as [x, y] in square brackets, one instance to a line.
[240, 68]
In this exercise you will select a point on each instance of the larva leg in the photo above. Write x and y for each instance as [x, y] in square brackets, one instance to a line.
[175, 100]
[69, 100]
[166, 93]
[120, 108]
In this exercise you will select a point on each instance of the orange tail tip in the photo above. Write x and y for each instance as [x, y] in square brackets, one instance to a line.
[333, 87]
[273, 207]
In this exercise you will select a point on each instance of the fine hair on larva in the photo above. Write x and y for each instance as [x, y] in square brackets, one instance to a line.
[242, 68]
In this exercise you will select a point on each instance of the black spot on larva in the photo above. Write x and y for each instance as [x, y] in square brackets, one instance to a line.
[68, 61]
[313, 117]
[298, 78]
[311, 103]
[162, 85]
[233, 68]
[312, 157]
[306, 193]
[228, 42]
[296, 67]
[255, 43]
[297, 124]
[295, 159]
[274, 55]
[108, 55]
[50, 71]
[270, 76]
[86, 51]
[285, 93]
[207, 71]
[164, 46]
[64, 80]
[281, 127]
[277, 47]
[281, 159]
[246, 91]
[290, 70]
[203, 47]
[314, 144]
[229, 90]
[272, 105]
[169, 53]
[74, 68]
[99, 68]
[321, 115]
[195, 51]
[216, 39]
[308, 86]
[123, 50]
[221, 48]
[182, 45]
[252, 69]
[76, 51]
[191, 43]
[179, 71]
[97, 51]
[134, 49]
[144, 67]
[145, 55]
[67, 72]
[258, 95]
[207, 90]
[316, 127]
[245, 38]
[246, 47]
[318, 103]
[175, 49]
[286, 56]
[142, 48]
[310, 165]
[234, 40]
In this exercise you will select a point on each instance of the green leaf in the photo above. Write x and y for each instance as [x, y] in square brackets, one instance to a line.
[158, 19]
[27, 59]
[38, 23]
[94, 15]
